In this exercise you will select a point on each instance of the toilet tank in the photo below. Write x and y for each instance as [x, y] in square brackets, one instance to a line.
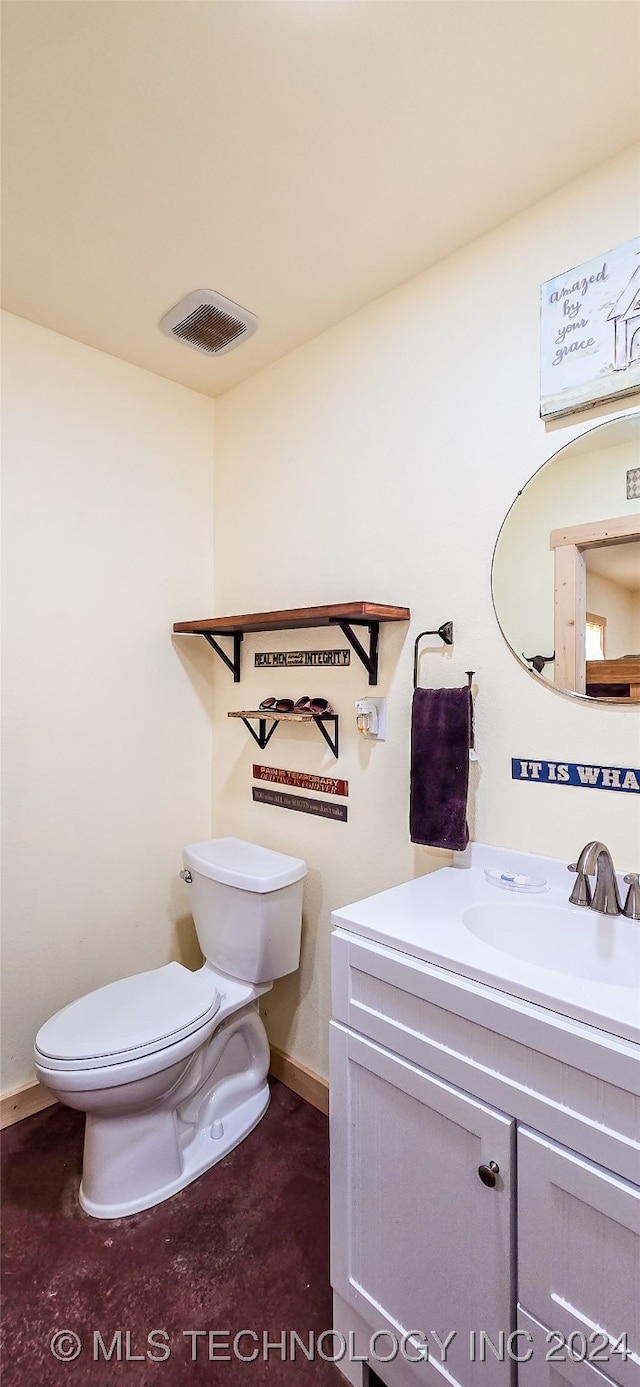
[247, 907]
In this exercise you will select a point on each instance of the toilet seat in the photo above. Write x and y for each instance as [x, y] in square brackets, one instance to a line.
[129, 1019]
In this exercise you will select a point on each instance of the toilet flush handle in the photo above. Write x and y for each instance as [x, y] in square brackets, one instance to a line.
[186, 874]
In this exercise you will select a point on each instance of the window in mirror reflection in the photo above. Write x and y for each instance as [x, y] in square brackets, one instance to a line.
[596, 637]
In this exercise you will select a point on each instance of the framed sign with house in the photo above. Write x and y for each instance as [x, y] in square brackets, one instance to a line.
[590, 332]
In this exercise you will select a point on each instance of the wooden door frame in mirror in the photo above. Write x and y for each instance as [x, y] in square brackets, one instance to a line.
[569, 597]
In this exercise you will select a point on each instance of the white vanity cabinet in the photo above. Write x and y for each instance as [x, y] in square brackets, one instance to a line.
[439, 1084]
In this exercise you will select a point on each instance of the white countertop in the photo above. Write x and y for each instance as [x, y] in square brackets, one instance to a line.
[587, 965]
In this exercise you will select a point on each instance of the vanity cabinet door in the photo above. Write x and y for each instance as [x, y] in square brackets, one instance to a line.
[546, 1362]
[579, 1252]
[419, 1242]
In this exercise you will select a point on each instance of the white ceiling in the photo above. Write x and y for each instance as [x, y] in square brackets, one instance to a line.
[620, 563]
[300, 156]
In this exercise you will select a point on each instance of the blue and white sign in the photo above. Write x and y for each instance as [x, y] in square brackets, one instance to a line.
[625, 778]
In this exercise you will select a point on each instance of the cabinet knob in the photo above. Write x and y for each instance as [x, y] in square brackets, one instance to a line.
[488, 1173]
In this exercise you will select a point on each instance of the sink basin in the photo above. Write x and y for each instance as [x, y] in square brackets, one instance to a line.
[536, 947]
[580, 943]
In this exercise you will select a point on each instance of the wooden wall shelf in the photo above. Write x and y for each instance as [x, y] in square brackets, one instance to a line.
[261, 716]
[345, 615]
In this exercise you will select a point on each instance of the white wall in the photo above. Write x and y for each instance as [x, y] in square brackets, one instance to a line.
[377, 463]
[107, 732]
[620, 608]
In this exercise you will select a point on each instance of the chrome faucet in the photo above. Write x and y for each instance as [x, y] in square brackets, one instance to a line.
[595, 857]
[631, 907]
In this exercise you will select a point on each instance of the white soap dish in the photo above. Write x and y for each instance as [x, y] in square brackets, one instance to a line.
[516, 881]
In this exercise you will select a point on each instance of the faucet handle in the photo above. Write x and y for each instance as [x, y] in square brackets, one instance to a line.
[581, 894]
[631, 907]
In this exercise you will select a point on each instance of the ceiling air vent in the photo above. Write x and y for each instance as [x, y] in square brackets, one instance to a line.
[209, 322]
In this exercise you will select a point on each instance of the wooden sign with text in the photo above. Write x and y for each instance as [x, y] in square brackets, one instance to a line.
[324, 808]
[323, 659]
[325, 784]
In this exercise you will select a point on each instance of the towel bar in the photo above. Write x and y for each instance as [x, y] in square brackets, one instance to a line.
[445, 632]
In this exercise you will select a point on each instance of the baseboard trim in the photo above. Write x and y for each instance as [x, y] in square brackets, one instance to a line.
[24, 1102]
[300, 1080]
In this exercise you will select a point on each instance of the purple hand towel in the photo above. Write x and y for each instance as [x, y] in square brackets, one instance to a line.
[441, 733]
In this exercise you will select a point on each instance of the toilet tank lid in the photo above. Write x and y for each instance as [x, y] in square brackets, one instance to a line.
[244, 865]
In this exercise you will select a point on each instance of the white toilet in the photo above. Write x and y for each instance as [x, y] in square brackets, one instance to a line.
[171, 1066]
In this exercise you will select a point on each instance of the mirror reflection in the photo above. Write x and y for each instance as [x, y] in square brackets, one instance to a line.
[566, 567]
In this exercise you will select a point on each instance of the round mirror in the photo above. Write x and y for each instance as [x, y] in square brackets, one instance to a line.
[565, 577]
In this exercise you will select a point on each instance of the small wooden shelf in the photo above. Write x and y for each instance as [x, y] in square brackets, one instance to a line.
[261, 715]
[295, 617]
[345, 615]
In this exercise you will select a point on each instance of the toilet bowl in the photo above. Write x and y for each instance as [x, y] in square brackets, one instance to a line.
[170, 1066]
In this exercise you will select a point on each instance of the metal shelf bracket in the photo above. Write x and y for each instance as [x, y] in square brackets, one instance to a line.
[320, 724]
[368, 659]
[234, 664]
[262, 737]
